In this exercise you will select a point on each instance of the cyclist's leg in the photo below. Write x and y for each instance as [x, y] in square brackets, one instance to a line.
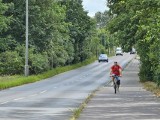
[115, 84]
[118, 83]
[114, 81]
[118, 80]
[113, 78]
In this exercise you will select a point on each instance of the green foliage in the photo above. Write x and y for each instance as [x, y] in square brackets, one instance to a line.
[7, 43]
[38, 63]
[60, 34]
[80, 28]
[3, 19]
[137, 23]
[10, 63]
[157, 75]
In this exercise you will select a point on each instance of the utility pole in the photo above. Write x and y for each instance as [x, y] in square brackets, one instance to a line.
[26, 50]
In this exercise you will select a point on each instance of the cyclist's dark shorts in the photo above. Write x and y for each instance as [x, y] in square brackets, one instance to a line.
[118, 82]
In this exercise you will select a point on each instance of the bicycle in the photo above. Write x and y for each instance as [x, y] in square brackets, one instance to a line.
[115, 82]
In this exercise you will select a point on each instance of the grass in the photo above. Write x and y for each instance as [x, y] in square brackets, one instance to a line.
[17, 80]
[8, 78]
[151, 86]
[77, 111]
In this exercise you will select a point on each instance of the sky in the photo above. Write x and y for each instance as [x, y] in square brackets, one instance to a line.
[93, 6]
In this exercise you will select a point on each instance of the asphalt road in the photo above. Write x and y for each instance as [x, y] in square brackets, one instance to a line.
[55, 98]
[132, 102]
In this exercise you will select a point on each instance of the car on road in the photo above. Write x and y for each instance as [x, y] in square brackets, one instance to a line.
[133, 51]
[119, 51]
[103, 58]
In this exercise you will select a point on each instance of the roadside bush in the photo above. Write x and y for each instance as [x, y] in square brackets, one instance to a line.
[38, 63]
[10, 63]
[157, 76]
[145, 73]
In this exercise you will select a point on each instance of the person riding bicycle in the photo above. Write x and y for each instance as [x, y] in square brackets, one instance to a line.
[116, 72]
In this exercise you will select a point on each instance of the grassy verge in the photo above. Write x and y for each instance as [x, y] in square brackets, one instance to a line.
[17, 80]
[151, 86]
[77, 112]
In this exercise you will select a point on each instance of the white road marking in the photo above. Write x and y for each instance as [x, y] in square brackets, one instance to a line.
[4, 102]
[33, 95]
[18, 99]
[43, 91]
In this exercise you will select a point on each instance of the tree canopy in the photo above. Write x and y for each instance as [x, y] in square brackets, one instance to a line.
[137, 24]
[60, 33]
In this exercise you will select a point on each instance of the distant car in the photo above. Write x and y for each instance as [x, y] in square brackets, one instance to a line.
[133, 51]
[119, 51]
[103, 58]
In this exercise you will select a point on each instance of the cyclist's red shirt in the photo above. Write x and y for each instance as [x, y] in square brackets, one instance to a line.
[115, 69]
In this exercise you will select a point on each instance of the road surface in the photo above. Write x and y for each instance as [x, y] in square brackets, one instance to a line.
[132, 102]
[55, 98]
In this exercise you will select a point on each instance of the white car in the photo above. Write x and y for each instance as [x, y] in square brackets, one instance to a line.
[133, 51]
[103, 58]
[119, 51]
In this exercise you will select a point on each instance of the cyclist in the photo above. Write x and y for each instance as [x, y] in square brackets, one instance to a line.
[116, 72]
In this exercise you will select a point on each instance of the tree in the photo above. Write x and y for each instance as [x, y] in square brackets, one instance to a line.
[60, 33]
[48, 32]
[102, 19]
[80, 27]
[4, 22]
[137, 23]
